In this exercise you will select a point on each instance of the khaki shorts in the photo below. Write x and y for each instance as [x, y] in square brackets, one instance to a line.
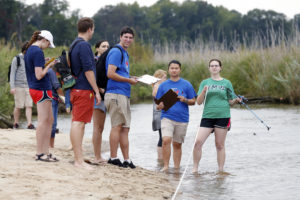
[118, 107]
[22, 98]
[173, 129]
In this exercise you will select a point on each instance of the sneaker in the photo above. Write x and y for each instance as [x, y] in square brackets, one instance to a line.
[127, 164]
[115, 162]
[30, 126]
[16, 126]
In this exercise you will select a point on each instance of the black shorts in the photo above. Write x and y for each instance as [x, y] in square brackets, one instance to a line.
[216, 123]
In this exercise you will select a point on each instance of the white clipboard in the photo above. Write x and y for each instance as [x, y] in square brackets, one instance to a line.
[148, 79]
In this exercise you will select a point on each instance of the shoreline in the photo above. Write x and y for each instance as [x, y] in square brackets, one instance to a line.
[22, 176]
[7, 122]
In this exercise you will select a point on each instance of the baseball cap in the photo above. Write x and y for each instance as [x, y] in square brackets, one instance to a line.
[48, 36]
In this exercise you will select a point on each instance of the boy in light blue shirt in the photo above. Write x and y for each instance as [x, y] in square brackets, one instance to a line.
[117, 100]
[175, 120]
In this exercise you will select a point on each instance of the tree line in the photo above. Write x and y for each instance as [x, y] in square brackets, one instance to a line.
[163, 22]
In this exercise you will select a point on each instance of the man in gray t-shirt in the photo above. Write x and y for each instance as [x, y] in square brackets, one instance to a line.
[19, 88]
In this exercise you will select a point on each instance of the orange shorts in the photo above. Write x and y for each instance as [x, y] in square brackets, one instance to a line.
[39, 96]
[83, 105]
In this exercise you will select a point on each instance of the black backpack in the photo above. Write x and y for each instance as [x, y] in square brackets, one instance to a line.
[63, 71]
[63, 68]
[9, 68]
[101, 76]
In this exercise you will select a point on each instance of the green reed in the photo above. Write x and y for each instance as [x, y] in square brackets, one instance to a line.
[255, 70]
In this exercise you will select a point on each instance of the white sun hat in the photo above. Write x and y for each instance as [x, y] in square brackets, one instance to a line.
[48, 36]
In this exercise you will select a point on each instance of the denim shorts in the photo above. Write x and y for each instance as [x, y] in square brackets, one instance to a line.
[101, 106]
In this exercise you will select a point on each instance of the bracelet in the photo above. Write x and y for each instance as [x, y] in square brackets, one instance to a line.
[186, 101]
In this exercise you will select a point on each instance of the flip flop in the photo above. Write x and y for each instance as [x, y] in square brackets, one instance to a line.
[95, 163]
[88, 161]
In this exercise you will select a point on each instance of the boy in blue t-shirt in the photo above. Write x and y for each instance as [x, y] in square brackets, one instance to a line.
[175, 120]
[117, 100]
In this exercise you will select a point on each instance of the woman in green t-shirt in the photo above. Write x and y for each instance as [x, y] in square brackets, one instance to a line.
[216, 93]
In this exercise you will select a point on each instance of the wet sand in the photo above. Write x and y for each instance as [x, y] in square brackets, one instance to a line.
[21, 177]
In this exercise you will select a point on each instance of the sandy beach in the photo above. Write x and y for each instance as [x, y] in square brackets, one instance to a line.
[21, 177]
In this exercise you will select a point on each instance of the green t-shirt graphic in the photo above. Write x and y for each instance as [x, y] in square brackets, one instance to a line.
[217, 99]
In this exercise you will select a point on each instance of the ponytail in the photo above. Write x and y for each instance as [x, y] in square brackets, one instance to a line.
[35, 37]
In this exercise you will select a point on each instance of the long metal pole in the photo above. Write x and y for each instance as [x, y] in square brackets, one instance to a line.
[187, 164]
[268, 127]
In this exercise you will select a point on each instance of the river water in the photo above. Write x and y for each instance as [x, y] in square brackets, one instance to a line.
[260, 164]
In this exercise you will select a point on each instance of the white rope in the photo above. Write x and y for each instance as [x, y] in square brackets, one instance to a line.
[186, 167]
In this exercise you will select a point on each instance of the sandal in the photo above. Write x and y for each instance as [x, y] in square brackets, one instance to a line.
[41, 157]
[93, 162]
[52, 158]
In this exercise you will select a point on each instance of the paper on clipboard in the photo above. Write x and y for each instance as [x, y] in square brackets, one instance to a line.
[169, 99]
[148, 79]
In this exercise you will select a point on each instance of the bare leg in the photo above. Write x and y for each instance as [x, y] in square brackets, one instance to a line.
[177, 154]
[202, 135]
[76, 136]
[98, 126]
[114, 140]
[159, 153]
[43, 130]
[124, 142]
[166, 148]
[29, 115]
[17, 112]
[220, 136]
[71, 147]
[52, 142]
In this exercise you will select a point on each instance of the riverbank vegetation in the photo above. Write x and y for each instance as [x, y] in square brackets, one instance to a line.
[260, 50]
[266, 73]
[272, 72]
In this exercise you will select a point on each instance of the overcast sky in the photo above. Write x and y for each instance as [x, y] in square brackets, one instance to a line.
[288, 7]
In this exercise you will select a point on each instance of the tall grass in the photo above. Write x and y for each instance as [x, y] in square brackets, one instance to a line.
[290, 79]
[7, 52]
[266, 67]
[257, 67]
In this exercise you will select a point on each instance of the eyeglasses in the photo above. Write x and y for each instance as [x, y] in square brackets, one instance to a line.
[214, 66]
[104, 46]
